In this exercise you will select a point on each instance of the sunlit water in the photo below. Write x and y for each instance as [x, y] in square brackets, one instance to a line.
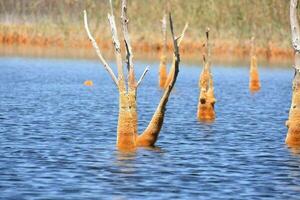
[58, 136]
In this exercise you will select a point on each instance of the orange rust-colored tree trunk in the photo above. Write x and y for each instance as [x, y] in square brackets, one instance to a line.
[254, 83]
[127, 131]
[163, 71]
[293, 123]
[149, 136]
[206, 111]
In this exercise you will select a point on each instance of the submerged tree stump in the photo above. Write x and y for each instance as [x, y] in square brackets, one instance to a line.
[88, 83]
[207, 100]
[254, 83]
[128, 138]
[293, 123]
[163, 71]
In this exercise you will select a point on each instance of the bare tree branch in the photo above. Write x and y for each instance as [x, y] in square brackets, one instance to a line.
[149, 136]
[172, 70]
[175, 44]
[129, 54]
[125, 21]
[207, 44]
[117, 48]
[98, 52]
[252, 46]
[295, 25]
[179, 38]
[142, 76]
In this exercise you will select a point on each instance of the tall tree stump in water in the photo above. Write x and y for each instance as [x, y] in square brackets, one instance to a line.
[206, 110]
[254, 83]
[293, 123]
[128, 138]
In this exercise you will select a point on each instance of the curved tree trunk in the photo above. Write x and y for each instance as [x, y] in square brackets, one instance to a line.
[293, 123]
[150, 135]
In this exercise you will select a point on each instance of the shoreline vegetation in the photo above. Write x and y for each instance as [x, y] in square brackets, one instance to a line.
[29, 26]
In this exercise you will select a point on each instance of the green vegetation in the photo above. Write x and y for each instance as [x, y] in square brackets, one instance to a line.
[230, 20]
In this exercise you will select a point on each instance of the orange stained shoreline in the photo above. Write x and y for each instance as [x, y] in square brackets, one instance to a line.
[221, 48]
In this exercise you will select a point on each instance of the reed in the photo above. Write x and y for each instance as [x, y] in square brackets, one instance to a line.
[233, 20]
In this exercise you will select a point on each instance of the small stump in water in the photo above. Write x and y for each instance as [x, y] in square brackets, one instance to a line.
[206, 111]
[206, 104]
[254, 83]
[88, 83]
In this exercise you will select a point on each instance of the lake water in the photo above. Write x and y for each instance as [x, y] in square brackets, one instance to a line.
[57, 136]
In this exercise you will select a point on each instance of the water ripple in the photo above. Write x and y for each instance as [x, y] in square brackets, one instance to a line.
[58, 136]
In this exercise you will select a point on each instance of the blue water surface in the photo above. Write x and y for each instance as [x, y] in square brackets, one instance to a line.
[57, 136]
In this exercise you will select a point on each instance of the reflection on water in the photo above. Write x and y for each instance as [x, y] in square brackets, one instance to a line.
[295, 150]
[58, 136]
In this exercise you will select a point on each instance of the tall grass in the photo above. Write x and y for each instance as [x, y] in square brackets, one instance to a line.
[229, 20]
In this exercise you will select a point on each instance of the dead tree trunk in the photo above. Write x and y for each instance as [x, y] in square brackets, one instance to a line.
[172, 69]
[254, 83]
[293, 123]
[163, 58]
[127, 131]
[207, 99]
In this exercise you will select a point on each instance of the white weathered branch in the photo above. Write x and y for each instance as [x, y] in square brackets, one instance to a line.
[142, 76]
[295, 25]
[129, 55]
[164, 32]
[179, 38]
[114, 32]
[125, 21]
[116, 43]
[176, 49]
[98, 52]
